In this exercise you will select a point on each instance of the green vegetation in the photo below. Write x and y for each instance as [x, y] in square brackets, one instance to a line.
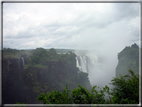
[125, 91]
[62, 50]
[128, 59]
[10, 53]
[45, 71]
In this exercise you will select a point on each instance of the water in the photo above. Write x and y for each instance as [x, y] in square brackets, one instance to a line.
[97, 73]
[89, 63]
[23, 61]
[81, 63]
[19, 67]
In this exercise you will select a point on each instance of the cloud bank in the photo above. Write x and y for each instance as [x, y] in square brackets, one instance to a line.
[70, 25]
[102, 28]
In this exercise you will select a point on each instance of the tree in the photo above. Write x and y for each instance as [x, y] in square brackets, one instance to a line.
[134, 45]
[39, 52]
[78, 96]
[52, 51]
[126, 89]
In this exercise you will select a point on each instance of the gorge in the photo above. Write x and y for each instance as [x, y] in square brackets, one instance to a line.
[27, 73]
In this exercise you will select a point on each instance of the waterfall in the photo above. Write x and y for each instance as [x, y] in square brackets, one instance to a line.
[99, 70]
[23, 61]
[19, 67]
[81, 63]
[87, 63]
[77, 64]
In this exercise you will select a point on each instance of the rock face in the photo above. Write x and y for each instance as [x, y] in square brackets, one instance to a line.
[11, 78]
[23, 80]
[128, 59]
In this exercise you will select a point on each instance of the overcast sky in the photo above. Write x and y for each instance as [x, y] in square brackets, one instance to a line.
[70, 25]
[106, 28]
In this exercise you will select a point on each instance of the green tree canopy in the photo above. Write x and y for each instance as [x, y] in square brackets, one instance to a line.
[125, 91]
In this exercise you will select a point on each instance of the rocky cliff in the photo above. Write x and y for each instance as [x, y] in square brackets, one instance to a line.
[27, 75]
[11, 79]
[128, 59]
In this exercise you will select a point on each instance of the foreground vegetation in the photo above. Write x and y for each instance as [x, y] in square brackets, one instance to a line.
[31, 72]
[125, 91]
[46, 70]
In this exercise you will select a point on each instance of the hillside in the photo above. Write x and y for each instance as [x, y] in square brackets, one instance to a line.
[27, 73]
[128, 59]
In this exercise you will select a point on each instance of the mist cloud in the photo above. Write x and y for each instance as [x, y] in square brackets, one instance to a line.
[74, 25]
[102, 28]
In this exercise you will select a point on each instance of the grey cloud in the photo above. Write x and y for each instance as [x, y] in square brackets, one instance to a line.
[127, 10]
[107, 30]
[88, 24]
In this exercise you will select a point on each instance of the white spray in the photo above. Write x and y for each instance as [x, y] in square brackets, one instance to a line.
[99, 70]
[23, 61]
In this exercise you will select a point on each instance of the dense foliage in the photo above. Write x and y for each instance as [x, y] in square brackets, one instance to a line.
[128, 59]
[125, 91]
[48, 72]
[77, 96]
[9, 53]
[43, 71]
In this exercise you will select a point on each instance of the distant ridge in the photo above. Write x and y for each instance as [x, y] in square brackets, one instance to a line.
[57, 50]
